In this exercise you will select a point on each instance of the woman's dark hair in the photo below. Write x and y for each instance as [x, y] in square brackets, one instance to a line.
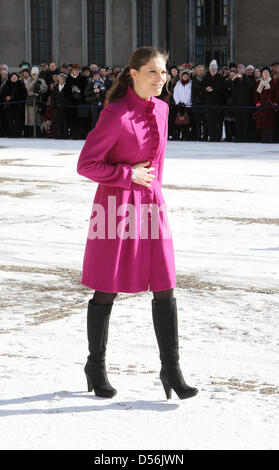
[140, 57]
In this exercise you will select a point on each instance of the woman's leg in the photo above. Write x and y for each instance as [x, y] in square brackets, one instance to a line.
[103, 298]
[164, 315]
[98, 318]
[163, 294]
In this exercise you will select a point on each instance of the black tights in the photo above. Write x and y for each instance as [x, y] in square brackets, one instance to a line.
[102, 298]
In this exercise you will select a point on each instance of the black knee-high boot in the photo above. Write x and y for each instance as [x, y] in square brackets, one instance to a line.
[98, 317]
[164, 313]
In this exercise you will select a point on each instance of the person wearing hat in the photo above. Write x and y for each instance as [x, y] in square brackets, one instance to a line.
[36, 87]
[59, 103]
[266, 97]
[182, 95]
[86, 72]
[213, 89]
[250, 71]
[14, 94]
[23, 66]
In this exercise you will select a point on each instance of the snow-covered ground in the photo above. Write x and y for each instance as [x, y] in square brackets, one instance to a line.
[223, 210]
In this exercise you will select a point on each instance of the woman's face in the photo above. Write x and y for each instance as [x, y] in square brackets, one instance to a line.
[174, 72]
[150, 78]
[75, 72]
[185, 77]
[265, 74]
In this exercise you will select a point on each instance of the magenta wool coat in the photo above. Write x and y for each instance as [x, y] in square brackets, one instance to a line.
[129, 130]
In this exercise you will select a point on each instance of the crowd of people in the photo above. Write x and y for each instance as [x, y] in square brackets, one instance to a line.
[236, 103]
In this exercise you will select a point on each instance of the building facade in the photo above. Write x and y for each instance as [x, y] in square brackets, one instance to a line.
[107, 31]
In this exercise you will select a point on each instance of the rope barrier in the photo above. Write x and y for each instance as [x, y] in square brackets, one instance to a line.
[49, 104]
[87, 106]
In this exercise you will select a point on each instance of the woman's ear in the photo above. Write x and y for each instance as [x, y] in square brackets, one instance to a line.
[133, 73]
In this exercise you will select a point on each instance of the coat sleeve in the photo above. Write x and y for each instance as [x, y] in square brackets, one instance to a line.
[92, 162]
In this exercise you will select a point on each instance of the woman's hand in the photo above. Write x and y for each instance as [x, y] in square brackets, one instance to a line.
[143, 175]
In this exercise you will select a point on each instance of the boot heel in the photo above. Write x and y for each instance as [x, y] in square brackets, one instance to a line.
[89, 384]
[167, 389]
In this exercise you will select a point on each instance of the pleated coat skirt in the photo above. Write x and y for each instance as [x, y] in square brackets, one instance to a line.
[129, 245]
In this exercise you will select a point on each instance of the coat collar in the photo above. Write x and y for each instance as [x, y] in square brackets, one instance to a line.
[136, 101]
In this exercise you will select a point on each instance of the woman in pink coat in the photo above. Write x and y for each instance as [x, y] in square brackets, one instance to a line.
[124, 153]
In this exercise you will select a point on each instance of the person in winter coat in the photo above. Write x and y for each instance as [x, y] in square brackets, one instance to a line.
[36, 87]
[197, 101]
[213, 86]
[257, 75]
[75, 86]
[14, 95]
[4, 77]
[266, 97]
[170, 84]
[242, 96]
[107, 82]
[94, 94]
[182, 95]
[229, 115]
[182, 92]
[125, 154]
[45, 73]
[83, 111]
[59, 103]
